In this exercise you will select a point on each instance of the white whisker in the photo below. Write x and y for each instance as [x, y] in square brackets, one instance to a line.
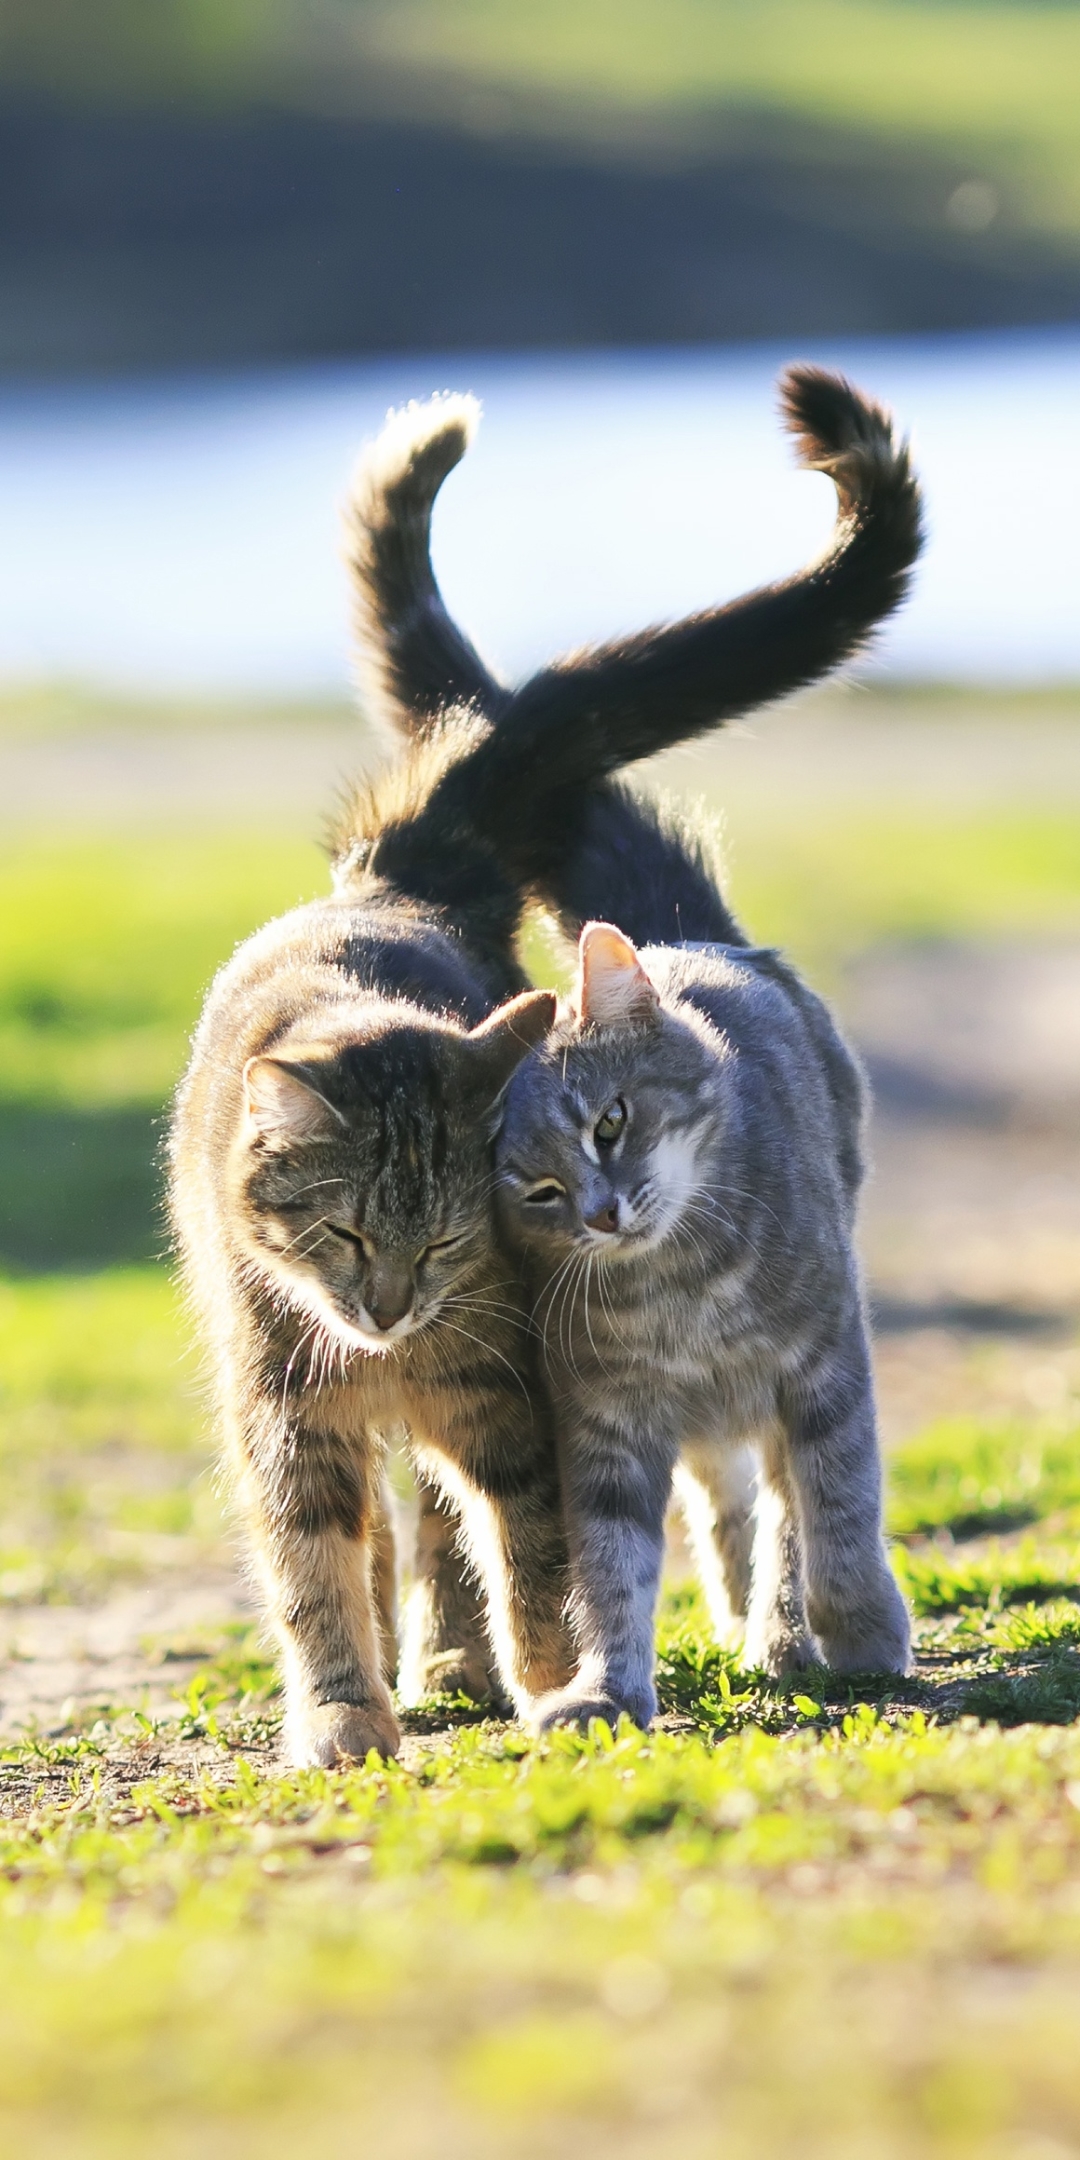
[489, 1348]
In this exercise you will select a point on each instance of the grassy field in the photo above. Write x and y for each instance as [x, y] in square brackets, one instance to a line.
[105, 950]
[814, 1922]
[827, 1921]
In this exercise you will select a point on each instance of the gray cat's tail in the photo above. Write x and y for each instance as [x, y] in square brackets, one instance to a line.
[507, 777]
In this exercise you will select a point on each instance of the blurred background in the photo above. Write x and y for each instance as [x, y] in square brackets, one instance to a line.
[188, 184]
[232, 233]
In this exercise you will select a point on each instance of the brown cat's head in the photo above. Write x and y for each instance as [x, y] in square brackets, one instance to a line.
[362, 1166]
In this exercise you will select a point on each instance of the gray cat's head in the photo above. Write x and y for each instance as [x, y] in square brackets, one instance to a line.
[607, 1126]
[361, 1168]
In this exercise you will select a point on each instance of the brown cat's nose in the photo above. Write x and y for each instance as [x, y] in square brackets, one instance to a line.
[383, 1318]
[605, 1218]
[390, 1297]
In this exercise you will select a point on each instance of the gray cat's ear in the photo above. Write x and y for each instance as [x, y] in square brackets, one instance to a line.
[502, 1040]
[612, 988]
[283, 1098]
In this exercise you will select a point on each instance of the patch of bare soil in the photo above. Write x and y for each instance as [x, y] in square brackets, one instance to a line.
[64, 1664]
[971, 1226]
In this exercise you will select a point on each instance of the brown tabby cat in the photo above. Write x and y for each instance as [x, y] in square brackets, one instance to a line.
[331, 1192]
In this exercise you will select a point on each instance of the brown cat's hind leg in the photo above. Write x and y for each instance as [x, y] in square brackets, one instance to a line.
[778, 1639]
[446, 1647]
[716, 1484]
[493, 1457]
[384, 1580]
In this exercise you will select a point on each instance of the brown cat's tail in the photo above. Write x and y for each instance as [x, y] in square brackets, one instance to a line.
[412, 661]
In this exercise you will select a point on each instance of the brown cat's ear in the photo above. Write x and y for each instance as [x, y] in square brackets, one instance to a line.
[612, 988]
[501, 1041]
[283, 1098]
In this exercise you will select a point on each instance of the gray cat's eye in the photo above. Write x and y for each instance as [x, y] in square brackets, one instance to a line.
[542, 1195]
[607, 1128]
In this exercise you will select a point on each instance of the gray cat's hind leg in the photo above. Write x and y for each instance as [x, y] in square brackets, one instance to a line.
[446, 1649]
[853, 1603]
[716, 1485]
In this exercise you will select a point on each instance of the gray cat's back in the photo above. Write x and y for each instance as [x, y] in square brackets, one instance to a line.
[793, 1052]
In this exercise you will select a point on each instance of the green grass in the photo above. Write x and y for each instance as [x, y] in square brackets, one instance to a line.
[832, 1920]
[829, 889]
[861, 1941]
[106, 948]
[857, 1931]
[967, 1478]
[822, 1918]
[103, 1435]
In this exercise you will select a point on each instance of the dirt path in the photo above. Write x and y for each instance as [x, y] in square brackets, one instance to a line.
[833, 749]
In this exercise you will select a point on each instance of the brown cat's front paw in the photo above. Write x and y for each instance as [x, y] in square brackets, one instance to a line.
[463, 1672]
[780, 1653]
[327, 1735]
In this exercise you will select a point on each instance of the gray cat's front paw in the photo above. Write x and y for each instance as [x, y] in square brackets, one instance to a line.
[878, 1650]
[568, 1707]
[876, 1639]
[323, 1736]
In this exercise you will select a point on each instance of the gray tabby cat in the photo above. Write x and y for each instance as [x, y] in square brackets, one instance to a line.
[680, 1164]
[681, 1160]
[331, 1167]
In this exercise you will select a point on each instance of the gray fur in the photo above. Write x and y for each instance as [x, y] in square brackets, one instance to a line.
[725, 1309]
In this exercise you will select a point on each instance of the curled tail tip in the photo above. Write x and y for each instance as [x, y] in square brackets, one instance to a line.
[842, 432]
[404, 466]
[833, 422]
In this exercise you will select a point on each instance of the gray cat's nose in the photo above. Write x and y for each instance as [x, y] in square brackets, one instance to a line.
[605, 1218]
